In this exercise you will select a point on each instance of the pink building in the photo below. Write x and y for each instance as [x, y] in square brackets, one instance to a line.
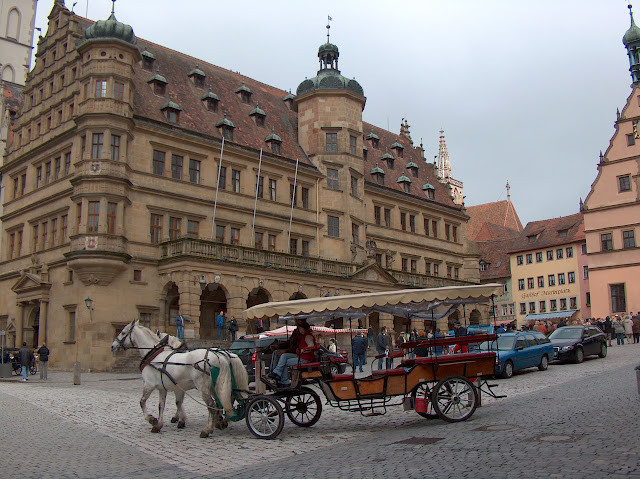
[612, 208]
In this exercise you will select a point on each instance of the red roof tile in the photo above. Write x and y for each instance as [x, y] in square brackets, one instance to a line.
[496, 254]
[500, 213]
[551, 232]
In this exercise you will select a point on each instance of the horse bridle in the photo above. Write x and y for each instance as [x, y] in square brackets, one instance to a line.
[128, 335]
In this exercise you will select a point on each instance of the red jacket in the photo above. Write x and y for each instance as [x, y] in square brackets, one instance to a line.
[309, 355]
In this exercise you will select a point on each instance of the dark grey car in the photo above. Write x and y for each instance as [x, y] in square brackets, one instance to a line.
[574, 343]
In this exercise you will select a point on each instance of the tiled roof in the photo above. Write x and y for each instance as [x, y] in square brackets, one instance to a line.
[552, 232]
[176, 66]
[489, 231]
[496, 254]
[501, 213]
[12, 96]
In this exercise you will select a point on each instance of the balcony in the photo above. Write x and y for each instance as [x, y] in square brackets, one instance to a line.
[424, 281]
[253, 257]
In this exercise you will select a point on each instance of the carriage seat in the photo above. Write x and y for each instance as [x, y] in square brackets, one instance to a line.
[446, 358]
[389, 372]
[342, 377]
[306, 366]
[393, 354]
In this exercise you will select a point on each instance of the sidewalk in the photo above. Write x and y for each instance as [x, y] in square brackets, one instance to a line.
[66, 377]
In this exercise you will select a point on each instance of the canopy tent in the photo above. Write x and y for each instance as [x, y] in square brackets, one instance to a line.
[422, 301]
[555, 316]
[287, 330]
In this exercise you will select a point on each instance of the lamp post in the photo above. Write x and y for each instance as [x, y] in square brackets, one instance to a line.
[76, 366]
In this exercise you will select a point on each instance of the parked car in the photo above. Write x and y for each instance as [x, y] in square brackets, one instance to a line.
[520, 350]
[248, 348]
[573, 343]
[480, 329]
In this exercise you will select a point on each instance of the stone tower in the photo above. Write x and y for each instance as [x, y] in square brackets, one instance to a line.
[444, 171]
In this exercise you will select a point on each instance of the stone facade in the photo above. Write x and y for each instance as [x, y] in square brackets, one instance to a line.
[141, 194]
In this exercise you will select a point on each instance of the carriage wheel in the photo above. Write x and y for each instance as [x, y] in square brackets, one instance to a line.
[264, 417]
[454, 399]
[17, 370]
[304, 408]
[422, 391]
[33, 370]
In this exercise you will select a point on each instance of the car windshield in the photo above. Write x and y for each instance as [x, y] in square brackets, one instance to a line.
[566, 333]
[503, 343]
[241, 347]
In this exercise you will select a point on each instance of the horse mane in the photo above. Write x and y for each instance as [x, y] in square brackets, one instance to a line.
[172, 341]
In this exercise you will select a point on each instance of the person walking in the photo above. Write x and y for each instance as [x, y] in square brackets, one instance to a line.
[25, 361]
[370, 337]
[608, 329]
[389, 343]
[43, 354]
[359, 350]
[180, 320]
[628, 327]
[636, 328]
[381, 345]
[619, 329]
[220, 324]
[233, 328]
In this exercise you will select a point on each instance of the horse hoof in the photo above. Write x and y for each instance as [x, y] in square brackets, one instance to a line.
[204, 434]
[180, 424]
[153, 421]
[174, 420]
[222, 424]
[155, 429]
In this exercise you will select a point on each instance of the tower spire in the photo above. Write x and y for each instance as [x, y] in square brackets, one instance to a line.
[444, 165]
[631, 41]
[508, 191]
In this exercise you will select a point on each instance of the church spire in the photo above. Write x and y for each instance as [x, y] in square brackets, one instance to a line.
[444, 165]
[631, 41]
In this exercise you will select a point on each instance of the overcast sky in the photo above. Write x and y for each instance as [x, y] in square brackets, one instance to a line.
[523, 89]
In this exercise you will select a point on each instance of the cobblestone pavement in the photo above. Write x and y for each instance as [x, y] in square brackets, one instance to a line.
[570, 421]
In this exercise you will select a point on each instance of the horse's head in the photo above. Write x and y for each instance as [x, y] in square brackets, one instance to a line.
[172, 341]
[124, 340]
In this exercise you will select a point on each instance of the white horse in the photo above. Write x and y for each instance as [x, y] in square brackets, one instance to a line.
[167, 370]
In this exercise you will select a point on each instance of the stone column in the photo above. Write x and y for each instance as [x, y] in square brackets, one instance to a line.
[19, 324]
[386, 320]
[190, 307]
[42, 330]
[236, 304]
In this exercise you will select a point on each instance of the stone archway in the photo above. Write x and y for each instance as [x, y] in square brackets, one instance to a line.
[212, 300]
[296, 295]
[172, 305]
[475, 317]
[453, 319]
[258, 295]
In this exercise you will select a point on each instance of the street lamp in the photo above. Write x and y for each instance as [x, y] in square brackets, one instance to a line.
[89, 304]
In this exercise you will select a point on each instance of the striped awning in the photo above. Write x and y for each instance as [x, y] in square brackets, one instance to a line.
[551, 316]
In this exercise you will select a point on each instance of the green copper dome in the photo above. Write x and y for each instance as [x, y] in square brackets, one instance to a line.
[111, 28]
[377, 170]
[404, 179]
[633, 34]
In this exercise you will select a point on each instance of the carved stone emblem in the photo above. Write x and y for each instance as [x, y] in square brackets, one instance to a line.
[216, 279]
[91, 242]
[95, 168]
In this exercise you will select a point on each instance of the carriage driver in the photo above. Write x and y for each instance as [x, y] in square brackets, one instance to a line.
[303, 339]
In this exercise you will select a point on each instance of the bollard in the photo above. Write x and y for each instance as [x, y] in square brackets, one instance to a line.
[76, 373]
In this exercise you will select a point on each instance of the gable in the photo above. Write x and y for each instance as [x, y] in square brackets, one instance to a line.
[374, 273]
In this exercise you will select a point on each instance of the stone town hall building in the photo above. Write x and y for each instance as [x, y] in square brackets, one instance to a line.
[150, 182]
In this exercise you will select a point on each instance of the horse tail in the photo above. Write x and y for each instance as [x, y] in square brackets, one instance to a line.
[223, 383]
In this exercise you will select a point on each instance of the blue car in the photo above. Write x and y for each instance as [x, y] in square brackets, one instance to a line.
[520, 350]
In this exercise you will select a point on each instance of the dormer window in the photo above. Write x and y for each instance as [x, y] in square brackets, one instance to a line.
[389, 159]
[172, 111]
[211, 100]
[413, 168]
[563, 233]
[289, 100]
[244, 93]
[375, 139]
[429, 190]
[406, 183]
[378, 174]
[147, 60]
[198, 77]
[158, 83]
[258, 115]
[365, 152]
[399, 149]
[226, 128]
[275, 142]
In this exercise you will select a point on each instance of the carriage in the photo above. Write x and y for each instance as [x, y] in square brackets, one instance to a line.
[448, 387]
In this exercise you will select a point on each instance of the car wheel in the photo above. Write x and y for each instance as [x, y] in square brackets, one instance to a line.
[508, 370]
[603, 350]
[544, 363]
[578, 356]
[335, 369]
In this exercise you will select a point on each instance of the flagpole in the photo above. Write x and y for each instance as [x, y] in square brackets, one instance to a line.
[293, 199]
[255, 203]
[215, 203]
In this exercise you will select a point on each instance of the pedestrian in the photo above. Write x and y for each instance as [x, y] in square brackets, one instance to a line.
[389, 343]
[421, 350]
[259, 326]
[608, 329]
[370, 338]
[180, 320]
[233, 328]
[619, 329]
[43, 355]
[332, 346]
[220, 324]
[381, 346]
[359, 350]
[628, 328]
[25, 361]
[636, 329]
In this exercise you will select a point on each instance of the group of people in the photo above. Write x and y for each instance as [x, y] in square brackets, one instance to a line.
[222, 326]
[621, 327]
[27, 358]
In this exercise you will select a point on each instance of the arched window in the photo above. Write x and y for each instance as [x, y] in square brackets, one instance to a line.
[13, 24]
[8, 74]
